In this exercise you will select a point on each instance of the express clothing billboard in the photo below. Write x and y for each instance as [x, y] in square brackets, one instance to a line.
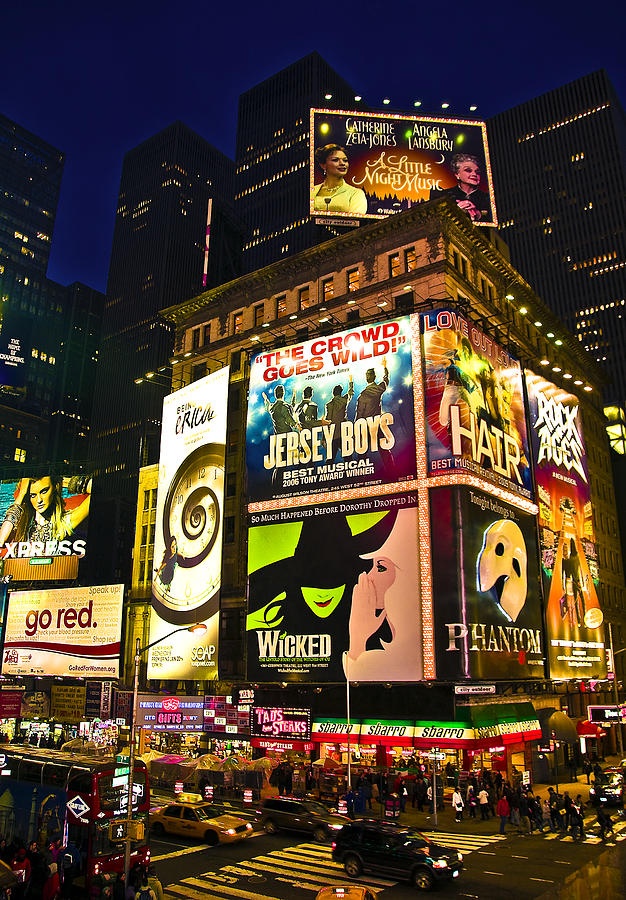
[43, 534]
[485, 585]
[569, 557]
[74, 631]
[332, 413]
[474, 403]
[189, 529]
[334, 591]
[375, 165]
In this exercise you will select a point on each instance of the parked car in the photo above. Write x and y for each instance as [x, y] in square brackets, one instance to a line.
[199, 819]
[295, 814]
[385, 848]
[608, 788]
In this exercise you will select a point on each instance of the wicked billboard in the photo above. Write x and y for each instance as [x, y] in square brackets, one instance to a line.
[43, 530]
[485, 581]
[332, 413]
[474, 403]
[334, 591]
[189, 528]
[374, 165]
[569, 557]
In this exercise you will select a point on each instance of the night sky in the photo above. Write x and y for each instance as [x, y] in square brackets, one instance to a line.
[95, 81]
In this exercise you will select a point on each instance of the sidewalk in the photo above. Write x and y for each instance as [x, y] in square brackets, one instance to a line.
[425, 821]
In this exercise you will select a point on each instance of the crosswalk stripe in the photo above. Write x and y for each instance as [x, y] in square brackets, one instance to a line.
[335, 872]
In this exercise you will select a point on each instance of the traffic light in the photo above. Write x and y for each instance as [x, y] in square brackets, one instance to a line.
[118, 831]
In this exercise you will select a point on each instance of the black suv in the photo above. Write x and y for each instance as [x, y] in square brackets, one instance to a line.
[294, 814]
[386, 848]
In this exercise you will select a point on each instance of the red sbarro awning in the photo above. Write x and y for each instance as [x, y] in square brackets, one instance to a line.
[588, 729]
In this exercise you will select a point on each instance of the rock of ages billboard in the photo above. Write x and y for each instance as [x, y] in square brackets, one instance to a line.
[333, 412]
[189, 529]
[474, 401]
[486, 587]
[334, 589]
[569, 559]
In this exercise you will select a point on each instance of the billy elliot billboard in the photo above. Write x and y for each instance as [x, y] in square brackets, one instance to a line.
[569, 559]
[374, 165]
[43, 530]
[333, 590]
[332, 413]
[474, 403]
[74, 631]
[485, 578]
[189, 528]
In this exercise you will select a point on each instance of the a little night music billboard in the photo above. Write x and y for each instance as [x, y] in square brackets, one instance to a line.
[332, 413]
[374, 165]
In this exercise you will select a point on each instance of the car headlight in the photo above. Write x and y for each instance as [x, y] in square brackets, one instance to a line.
[334, 827]
[230, 831]
[460, 856]
[248, 826]
[592, 791]
[440, 863]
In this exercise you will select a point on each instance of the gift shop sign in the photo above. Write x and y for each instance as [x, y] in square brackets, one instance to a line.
[280, 723]
[170, 713]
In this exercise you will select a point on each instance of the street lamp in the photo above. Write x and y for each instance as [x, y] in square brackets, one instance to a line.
[614, 652]
[198, 628]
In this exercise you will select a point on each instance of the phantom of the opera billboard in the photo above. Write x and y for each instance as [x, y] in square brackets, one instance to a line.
[569, 559]
[374, 165]
[332, 413]
[189, 530]
[474, 403]
[71, 631]
[486, 588]
[43, 530]
[333, 591]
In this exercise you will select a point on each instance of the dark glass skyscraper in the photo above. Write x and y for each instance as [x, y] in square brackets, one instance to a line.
[272, 158]
[559, 166]
[45, 384]
[174, 235]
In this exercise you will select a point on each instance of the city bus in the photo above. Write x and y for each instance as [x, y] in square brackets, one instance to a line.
[83, 800]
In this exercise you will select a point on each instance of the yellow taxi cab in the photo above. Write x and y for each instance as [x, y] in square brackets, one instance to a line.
[346, 892]
[191, 816]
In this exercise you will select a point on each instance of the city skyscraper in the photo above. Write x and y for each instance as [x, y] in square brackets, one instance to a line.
[45, 385]
[272, 158]
[559, 167]
[174, 235]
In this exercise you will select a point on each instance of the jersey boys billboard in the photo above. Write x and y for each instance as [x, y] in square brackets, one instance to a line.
[43, 526]
[75, 631]
[569, 561]
[334, 589]
[189, 528]
[485, 581]
[474, 403]
[375, 165]
[332, 413]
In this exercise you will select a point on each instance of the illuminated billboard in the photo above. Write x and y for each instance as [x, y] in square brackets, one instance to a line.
[332, 413]
[71, 631]
[474, 403]
[569, 556]
[43, 530]
[334, 588]
[374, 165]
[189, 529]
[486, 588]
[15, 330]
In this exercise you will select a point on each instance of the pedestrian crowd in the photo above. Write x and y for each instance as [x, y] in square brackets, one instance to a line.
[49, 873]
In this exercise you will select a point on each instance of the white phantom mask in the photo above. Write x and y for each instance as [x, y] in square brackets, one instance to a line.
[501, 566]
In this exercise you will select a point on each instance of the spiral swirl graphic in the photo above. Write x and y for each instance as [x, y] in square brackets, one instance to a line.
[199, 522]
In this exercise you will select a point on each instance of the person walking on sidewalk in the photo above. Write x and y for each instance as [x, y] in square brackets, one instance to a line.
[457, 805]
[483, 802]
[503, 810]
